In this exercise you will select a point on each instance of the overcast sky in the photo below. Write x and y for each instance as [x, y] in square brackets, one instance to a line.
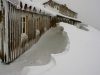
[88, 10]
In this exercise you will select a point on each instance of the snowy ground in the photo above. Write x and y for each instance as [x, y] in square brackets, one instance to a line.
[83, 57]
[52, 42]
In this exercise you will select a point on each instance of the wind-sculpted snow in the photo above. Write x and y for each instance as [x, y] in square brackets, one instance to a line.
[82, 57]
[54, 41]
[39, 70]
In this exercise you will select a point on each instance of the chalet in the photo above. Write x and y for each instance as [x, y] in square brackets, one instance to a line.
[22, 22]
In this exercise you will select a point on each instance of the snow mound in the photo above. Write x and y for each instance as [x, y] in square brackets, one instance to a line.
[53, 43]
[83, 56]
[81, 59]
[37, 70]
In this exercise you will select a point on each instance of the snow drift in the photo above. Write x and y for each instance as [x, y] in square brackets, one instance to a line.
[53, 41]
[83, 56]
[81, 59]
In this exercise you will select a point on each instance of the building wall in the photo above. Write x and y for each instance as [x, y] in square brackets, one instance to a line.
[22, 28]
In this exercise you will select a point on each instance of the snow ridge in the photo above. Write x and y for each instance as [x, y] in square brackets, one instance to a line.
[38, 70]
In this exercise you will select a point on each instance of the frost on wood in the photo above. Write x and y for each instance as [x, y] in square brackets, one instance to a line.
[37, 32]
[24, 37]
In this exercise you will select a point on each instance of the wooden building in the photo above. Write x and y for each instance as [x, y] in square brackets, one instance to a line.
[22, 24]
[61, 8]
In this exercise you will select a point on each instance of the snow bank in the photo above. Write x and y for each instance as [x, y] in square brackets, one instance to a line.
[83, 56]
[39, 55]
[55, 42]
[81, 59]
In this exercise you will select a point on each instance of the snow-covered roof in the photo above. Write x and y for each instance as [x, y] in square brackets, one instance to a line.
[32, 4]
[39, 7]
[60, 4]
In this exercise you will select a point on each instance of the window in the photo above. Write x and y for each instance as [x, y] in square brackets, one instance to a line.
[23, 23]
[38, 23]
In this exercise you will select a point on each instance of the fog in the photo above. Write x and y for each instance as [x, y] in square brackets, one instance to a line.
[88, 10]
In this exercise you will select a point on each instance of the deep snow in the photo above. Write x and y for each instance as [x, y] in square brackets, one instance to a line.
[52, 42]
[83, 57]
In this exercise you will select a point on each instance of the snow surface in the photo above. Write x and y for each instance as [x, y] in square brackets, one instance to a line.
[83, 57]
